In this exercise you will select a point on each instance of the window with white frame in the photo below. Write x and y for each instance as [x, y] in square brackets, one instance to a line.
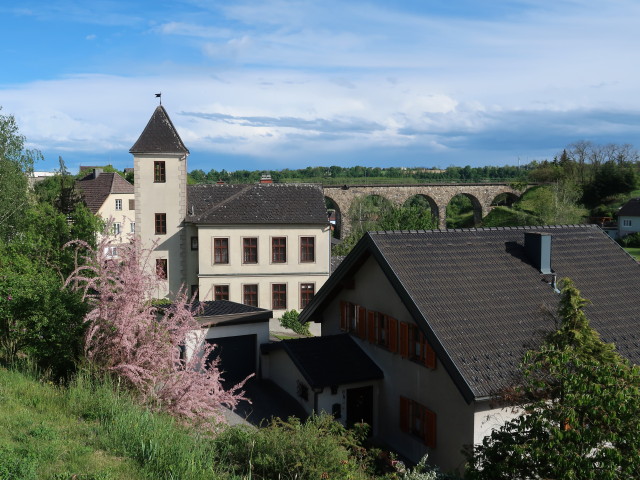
[626, 223]
[133, 227]
[116, 228]
[118, 204]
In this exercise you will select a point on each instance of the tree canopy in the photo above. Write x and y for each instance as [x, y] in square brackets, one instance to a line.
[580, 404]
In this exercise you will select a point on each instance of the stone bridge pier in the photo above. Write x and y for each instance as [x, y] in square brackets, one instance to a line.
[438, 195]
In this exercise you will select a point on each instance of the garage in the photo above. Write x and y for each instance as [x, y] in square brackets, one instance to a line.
[238, 358]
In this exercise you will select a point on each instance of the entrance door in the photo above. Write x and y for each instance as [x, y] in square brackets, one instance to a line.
[360, 406]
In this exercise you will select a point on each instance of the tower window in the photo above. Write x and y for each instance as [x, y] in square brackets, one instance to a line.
[159, 172]
[161, 223]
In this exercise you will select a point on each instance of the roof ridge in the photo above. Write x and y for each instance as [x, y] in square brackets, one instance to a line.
[483, 229]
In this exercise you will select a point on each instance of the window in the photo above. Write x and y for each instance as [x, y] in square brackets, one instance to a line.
[306, 293]
[279, 249]
[132, 204]
[418, 420]
[112, 251]
[194, 291]
[307, 249]
[116, 228]
[161, 223]
[249, 250]
[279, 296]
[221, 292]
[220, 250]
[118, 204]
[159, 173]
[133, 227]
[250, 295]
[161, 268]
[353, 319]
[194, 243]
[418, 349]
[626, 223]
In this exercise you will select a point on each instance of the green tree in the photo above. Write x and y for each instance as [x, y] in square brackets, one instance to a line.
[580, 405]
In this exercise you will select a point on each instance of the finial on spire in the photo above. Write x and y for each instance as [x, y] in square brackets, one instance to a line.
[159, 95]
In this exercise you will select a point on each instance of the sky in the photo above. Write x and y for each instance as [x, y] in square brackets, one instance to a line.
[273, 84]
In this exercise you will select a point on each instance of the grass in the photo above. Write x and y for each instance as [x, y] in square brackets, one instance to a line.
[634, 252]
[93, 431]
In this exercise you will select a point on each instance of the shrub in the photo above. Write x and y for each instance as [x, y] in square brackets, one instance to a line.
[291, 320]
[631, 241]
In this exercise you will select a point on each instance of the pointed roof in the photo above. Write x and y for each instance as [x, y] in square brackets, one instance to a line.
[630, 209]
[96, 189]
[482, 303]
[159, 136]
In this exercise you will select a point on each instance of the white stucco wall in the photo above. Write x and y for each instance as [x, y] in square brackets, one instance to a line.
[281, 370]
[167, 197]
[623, 229]
[124, 217]
[488, 418]
[432, 388]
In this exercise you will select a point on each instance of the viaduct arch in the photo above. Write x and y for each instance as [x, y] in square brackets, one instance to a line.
[437, 194]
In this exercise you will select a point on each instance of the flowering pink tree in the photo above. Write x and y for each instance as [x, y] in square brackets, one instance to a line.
[141, 343]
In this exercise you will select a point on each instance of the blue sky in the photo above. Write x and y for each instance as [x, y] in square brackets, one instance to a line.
[274, 84]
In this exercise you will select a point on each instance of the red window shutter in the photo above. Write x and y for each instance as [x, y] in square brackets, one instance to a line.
[404, 339]
[393, 335]
[430, 428]
[344, 326]
[362, 324]
[430, 357]
[371, 326]
[404, 414]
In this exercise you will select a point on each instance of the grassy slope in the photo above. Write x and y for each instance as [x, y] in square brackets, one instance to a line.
[634, 252]
[40, 438]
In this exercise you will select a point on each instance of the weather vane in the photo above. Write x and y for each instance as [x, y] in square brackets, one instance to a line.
[159, 95]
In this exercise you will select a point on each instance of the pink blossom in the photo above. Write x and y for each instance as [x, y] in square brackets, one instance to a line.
[140, 343]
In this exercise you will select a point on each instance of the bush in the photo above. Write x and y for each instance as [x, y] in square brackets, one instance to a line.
[317, 448]
[291, 320]
[631, 241]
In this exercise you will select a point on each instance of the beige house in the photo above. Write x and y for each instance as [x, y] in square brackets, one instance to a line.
[446, 317]
[265, 245]
[112, 198]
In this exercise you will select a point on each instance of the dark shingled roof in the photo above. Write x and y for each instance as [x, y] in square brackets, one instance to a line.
[224, 307]
[95, 190]
[631, 208]
[330, 360]
[224, 312]
[159, 136]
[481, 302]
[256, 204]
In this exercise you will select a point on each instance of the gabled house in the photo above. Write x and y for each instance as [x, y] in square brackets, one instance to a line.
[265, 245]
[629, 218]
[111, 197]
[447, 316]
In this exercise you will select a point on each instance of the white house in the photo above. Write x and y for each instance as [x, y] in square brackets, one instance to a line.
[265, 245]
[111, 197]
[629, 218]
[443, 319]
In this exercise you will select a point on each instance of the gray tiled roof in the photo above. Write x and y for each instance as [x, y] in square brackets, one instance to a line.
[482, 303]
[631, 208]
[95, 190]
[159, 136]
[330, 360]
[275, 203]
[224, 307]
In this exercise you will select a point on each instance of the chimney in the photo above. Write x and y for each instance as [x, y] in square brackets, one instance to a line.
[97, 172]
[219, 182]
[266, 178]
[538, 248]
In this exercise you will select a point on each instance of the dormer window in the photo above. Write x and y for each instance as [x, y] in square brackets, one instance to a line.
[159, 172]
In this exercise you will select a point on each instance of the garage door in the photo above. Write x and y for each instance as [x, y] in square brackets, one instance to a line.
[237, 357]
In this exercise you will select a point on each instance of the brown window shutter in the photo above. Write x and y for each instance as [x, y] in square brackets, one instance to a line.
[362, 322]
[371, 326]
[393, 335]
[430, 357]
[132, 204]
[430, 428]
[344, 326]
[404, 339]
[404, 414]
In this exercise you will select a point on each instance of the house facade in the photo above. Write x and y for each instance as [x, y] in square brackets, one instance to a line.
[448, 315]
[629, 218]
[111, 197]
[265, 245]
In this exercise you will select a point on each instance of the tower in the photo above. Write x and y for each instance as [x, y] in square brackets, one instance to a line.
[160, 186]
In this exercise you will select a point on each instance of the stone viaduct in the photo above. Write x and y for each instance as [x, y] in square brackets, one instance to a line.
[438, 195]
